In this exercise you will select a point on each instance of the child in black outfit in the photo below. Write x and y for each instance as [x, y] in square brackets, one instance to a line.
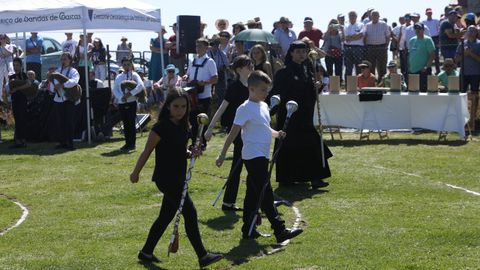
[169, 138]
[253, 119]
[236, 94]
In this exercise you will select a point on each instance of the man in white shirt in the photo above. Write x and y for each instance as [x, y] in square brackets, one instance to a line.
[434, 26]
[377, 38]
[201, 75]
[69, 45]
[127, 102]
[354, 47]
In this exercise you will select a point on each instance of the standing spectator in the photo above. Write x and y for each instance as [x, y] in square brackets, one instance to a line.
[177, 59]
[471, 69]
[19, 105]
[221, 61]
[284, 36]
[224, 42]
[156, 68]
[202, 73]
[377, 37]
[127, 102]
[449, 36]
[395, 43]
[421, 55]
[6, 62]
[354, 47]
[258, 55]
[221, 25]
[415, 19]
[79, 55]
[99, 57]
[124, 50]
[402, 47]
[367, 16]
[311, 32]
[332, 45]
[34, 53]
[69, 45]
[434, 27]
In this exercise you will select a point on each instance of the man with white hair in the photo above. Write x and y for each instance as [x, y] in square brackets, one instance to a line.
[377, 38]
[354, 47]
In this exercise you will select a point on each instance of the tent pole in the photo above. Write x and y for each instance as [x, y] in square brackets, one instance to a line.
[25, 58]
[87, 93]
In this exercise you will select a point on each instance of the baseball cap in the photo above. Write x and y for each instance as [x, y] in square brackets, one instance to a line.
[308, 19]
[415, 14]
[419, 26]
[470, 17]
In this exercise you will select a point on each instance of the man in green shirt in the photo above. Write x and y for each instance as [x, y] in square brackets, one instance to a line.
[421, 54]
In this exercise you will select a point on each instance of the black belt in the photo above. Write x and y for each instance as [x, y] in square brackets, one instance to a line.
[359, 46]
[379, 45]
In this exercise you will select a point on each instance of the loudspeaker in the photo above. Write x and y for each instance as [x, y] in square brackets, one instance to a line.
[188, 31]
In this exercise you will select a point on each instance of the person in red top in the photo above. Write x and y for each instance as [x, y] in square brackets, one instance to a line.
[311, 32]
[366, 78]
[176, 59]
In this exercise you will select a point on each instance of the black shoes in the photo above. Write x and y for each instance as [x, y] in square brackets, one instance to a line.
[127, 147]
[209, 258]
[144, 257]
[319, 184]
[287, 234]
[231, 207]
[255, 234]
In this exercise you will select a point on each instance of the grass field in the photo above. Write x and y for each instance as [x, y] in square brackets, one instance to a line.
[387, 207]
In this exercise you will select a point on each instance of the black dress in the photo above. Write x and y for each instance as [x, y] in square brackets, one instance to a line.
[300, 158]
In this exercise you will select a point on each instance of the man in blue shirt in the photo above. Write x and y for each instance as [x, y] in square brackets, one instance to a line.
[34, 53]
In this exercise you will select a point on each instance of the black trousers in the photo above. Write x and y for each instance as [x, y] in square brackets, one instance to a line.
[65, 121]
[378, 55]
[231, 191]
[404, 64]
[128, 113]
[37, 67]
[202, 107]
[19, 108]
[170, 203]
[354, 55]
[257, 169]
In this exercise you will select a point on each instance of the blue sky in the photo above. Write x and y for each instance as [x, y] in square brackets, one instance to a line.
[268, 11]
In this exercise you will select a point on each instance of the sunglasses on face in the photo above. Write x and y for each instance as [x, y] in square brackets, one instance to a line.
[170, 71]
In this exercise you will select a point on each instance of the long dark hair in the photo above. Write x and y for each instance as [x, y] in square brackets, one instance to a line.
[164, 114]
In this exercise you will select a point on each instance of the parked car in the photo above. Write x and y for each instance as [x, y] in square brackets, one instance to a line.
[51, 52]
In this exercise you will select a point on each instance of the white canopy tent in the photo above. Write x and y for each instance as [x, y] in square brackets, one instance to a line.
[48, 15]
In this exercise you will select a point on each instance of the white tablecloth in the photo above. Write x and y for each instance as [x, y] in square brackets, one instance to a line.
[440, 112]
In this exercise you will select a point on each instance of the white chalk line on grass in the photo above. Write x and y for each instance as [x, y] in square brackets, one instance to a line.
[464, 189]
[296, 225]
[416, 175]
[22, 218]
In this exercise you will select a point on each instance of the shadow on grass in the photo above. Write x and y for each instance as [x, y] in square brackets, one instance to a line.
[247, 248]
[297, 192]
[225, 222]
[117, 152]
[409, 142]
[150, 266]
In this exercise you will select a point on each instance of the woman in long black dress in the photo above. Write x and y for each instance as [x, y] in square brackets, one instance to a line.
[300, 158]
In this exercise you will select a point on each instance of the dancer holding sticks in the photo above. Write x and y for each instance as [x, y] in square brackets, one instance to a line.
[300, 159]
[169, 139]
[253, 119]
[236, 94]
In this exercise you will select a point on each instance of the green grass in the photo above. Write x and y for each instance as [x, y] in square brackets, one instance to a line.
[387, 208]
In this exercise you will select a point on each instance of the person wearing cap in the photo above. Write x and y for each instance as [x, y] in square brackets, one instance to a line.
[300, 158]
[155, 69]
[284, 35]
[354, 47]
[449, 36]
[69, 44]
[392, 69]
[177, 59]
[434, 27]
[377, 37]
[420, 55]
[470, 68]
[410, 31]
[124, 50]
[314, 34]
[366, 78]
[449, 69]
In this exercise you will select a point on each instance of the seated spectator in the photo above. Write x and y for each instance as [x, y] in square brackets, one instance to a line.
[449, 69]
[366, 78]
[392, 69]
[170, 81]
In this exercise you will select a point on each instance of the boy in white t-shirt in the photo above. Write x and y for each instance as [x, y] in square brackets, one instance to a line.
[253, 119]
